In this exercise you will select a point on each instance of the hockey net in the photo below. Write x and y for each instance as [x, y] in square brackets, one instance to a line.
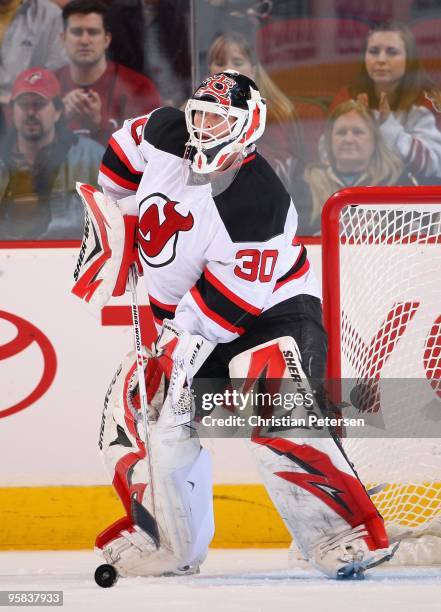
[382, 309]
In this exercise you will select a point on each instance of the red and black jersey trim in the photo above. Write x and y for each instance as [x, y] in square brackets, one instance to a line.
[300, 267]
[161, 311]
[222, 305]
[117, 167]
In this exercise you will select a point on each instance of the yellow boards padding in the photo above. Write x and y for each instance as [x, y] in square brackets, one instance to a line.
[70, 517]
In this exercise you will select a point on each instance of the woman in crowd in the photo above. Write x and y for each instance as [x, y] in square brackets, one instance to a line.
[282, 143]
[356, 155]
[392, 83]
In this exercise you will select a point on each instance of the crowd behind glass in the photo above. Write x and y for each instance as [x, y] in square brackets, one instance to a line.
[352, 94]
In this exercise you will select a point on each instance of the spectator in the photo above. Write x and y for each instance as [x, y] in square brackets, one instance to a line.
[166, 47]
[282, 142]
[356, 154]
[40, 162]
[98, 94]
[240, 16]
[29, 36]
[392, 83]
[153, 38]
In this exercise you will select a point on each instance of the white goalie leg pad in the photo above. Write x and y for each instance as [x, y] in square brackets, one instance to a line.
[185, 499]
[313, 486]
[108, 248]
[182, 526]
[185, 522]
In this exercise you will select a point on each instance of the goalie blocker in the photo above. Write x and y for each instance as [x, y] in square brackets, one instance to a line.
[312, 484]
[109, 247]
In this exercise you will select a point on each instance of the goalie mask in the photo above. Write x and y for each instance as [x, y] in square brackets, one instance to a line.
[225, 115]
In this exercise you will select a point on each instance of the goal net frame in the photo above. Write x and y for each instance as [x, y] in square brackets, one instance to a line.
[392, 501]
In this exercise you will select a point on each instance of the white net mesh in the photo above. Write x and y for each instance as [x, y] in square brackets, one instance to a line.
[390, 306]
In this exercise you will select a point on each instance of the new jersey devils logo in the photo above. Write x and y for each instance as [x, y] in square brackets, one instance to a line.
[26, 335]
[159, 227]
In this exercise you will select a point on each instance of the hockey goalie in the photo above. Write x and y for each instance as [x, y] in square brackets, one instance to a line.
[190, 204]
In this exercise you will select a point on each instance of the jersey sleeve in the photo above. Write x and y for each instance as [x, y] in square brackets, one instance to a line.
[124, 160]
[235, 286]
[418, 142]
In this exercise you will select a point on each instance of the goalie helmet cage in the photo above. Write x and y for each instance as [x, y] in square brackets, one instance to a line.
[381, 250]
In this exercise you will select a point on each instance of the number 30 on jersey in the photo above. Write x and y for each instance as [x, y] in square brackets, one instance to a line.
[255, 264]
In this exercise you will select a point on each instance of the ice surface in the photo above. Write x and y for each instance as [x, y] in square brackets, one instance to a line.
[231, 580]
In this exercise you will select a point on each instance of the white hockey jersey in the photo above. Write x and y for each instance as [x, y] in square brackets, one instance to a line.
[213, 262]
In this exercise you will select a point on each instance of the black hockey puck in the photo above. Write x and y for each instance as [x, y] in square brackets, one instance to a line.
[106, 575]
[350, 572]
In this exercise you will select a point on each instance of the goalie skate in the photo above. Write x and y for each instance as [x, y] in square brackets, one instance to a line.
[347, 555]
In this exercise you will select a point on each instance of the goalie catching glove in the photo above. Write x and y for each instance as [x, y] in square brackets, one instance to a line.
[108, 249]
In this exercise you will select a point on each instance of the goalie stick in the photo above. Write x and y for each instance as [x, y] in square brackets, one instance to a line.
[106, 574]
[141, 380]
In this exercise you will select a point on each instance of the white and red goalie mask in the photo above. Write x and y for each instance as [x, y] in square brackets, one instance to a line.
[224, 116]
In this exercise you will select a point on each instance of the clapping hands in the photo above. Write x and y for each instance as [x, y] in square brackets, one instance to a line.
[383, 106]
[84, 105]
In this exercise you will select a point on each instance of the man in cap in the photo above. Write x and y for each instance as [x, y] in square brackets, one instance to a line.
[40, 162]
